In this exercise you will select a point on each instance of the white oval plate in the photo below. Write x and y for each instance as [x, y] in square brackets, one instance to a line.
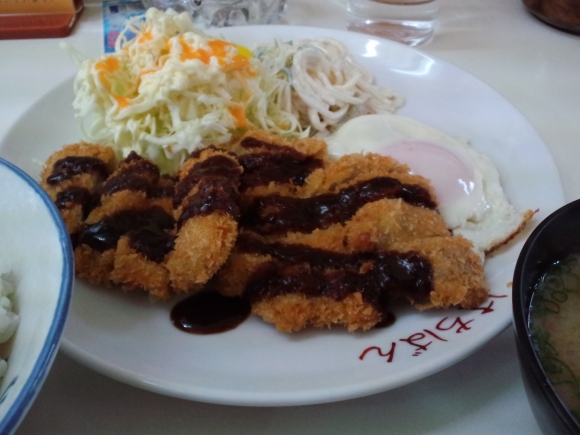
[130, 339]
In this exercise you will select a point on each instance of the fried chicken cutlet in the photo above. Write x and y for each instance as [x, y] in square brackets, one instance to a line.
[207, 213]
[73, 178]
[321, 241]
[361, 207]
[131, 236]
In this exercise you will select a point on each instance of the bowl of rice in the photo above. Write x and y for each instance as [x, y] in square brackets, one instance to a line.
[36, 278]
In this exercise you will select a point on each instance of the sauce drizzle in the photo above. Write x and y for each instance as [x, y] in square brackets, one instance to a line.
[273, 214]
[209, 312]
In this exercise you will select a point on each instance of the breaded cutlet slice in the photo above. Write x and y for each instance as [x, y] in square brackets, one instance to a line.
[458, 274]
[307, 146]
[135, 198]
[233, 277]
[353, 168]
[207, 213]
[303, 286]
[76, 190]
[135, 271]
[136, 184]
[94, 266]
[293, 296]
[294, 312]
[375, 226]
[88, 178]
[276, 165]
[457, 280]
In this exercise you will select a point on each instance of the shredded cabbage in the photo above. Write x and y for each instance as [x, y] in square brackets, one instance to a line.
[172, 89]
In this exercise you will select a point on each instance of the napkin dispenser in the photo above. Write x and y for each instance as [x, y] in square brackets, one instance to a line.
[21, 19]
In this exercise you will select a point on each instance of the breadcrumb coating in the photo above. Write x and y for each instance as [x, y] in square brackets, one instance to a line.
[206, 244]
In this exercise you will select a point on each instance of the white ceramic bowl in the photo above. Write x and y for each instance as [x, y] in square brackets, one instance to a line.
[35, 248]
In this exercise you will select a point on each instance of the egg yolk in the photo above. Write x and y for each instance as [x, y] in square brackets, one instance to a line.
[452, 179]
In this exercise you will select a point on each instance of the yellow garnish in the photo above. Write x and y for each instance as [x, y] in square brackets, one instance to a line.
[239, 114]
[106, 67]
[109, 65]
[121, 101]
[144, 37]
[218, 49]
[189, 53]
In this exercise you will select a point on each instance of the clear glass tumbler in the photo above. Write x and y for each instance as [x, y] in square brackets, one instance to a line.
[411, 22]
[223, 13]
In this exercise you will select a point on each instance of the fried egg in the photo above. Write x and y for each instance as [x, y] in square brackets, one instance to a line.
[470, 197]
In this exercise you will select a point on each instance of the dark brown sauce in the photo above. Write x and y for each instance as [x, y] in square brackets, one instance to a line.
[278, 164]
[209, 312]
[160, 192]
[316, 272]
[135, 174]
[389, 319]
[215, 167]
[152, 242]
[65, 169]
[79, 196]
[146, 229]
[278, 214]
[212, 195]
[252, 143]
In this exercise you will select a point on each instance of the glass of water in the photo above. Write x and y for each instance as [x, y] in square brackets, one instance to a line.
[411, 22]
[223, 13]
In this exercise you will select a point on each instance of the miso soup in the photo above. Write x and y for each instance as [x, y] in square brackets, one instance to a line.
[555, 328]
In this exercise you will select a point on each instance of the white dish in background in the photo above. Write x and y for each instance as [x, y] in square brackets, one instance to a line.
[35, 251]
[132, 340]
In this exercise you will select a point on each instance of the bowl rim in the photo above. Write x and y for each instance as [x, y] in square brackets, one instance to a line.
[520, 305]
[49, 350]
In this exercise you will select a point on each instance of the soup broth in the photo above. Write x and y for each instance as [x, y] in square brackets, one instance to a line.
[555, 328]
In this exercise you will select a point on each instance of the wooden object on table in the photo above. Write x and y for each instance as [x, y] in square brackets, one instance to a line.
[22, 19]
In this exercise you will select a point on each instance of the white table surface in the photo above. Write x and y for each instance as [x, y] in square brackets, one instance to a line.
[534, 66]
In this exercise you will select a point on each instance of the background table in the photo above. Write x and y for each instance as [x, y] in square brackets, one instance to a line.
[534, 66]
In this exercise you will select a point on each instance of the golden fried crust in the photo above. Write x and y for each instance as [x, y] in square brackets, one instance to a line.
[332, 238]
[202, 246]
[308, 146]
[82, 149]
[72, 215]
[353, 168]
[375, 226]
[94, 266]
[457, 271]
[119, 201]
[183, 171]
[235, 274]
[378, 225]
[134, 271]
[205, 244]
[205, 154]
[344, 172]
[293, 312]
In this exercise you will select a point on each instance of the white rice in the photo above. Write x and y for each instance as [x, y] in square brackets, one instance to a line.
[8, 319]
